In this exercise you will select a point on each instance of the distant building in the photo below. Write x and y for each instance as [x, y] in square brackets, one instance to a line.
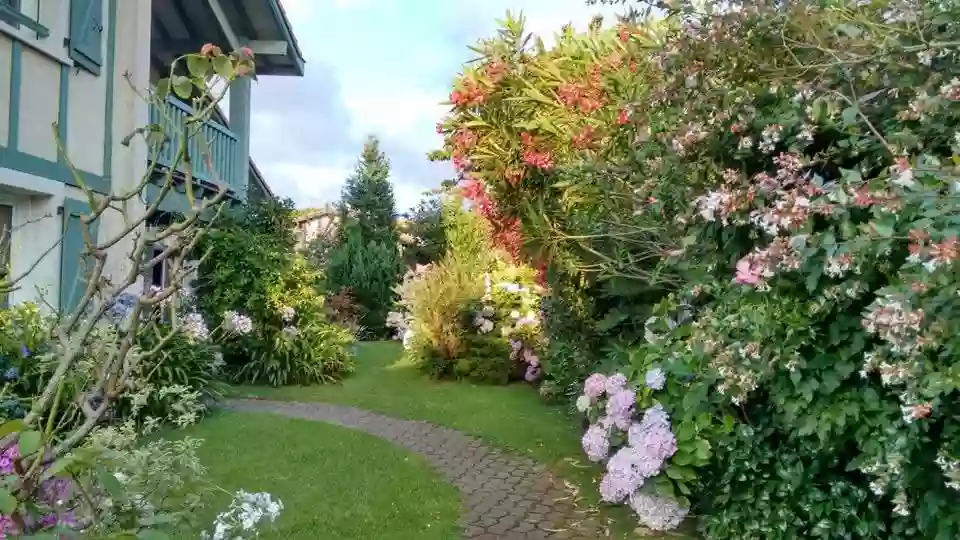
[314, 223]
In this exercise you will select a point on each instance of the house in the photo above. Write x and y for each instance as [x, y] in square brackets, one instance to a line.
[79, 65]
[314, 223]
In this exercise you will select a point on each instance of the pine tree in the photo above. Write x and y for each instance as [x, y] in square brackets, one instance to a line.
[368, 197]
[366, 259]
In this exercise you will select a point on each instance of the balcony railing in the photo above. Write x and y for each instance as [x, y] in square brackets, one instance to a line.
[220, 142]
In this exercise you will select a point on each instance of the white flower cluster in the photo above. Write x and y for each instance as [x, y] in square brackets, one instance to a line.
[397, 321]
[247, 511]
[235, 323]
[950, 468]
[194, 327]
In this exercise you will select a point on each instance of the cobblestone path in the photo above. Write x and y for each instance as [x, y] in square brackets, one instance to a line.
[505, 496]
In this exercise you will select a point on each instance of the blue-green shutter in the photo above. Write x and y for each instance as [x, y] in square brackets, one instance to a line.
[86, 34]
[75, 268]
[9, 9]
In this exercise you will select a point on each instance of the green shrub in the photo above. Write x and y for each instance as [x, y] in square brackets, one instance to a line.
[256, 274]
[369, 269]
[24, 335]
[178, 361]
[470, 315]
[367, 257]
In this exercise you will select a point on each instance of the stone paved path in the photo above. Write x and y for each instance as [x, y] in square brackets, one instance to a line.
[506, 497]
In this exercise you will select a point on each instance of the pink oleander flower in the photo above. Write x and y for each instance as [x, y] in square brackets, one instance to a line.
[595, 385]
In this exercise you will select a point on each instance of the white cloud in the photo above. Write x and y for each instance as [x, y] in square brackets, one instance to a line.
[400, 112]
[307, 185]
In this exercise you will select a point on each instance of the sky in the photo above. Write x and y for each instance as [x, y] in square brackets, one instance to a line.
[379, 67]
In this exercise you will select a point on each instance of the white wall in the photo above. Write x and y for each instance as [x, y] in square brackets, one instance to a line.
[36, 199]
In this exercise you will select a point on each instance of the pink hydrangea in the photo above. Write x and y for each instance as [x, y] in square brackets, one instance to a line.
[620, 408]
[652, 438]
[658, 513]
[625, 474]
[595, 385]
[596, 442]
[615, 383]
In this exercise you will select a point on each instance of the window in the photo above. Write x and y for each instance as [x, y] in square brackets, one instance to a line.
[6, 228]
[23, 14]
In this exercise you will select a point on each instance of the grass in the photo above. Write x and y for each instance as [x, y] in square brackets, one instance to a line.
[334, 482]
[512, 417]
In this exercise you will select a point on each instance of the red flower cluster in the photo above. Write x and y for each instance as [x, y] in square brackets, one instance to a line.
[470, 93]
[505, 230]
[533, 156]
[463, 141]
[584, 139]
[588, 96]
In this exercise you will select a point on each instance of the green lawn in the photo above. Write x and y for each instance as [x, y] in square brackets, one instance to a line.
[334, 482]
[512, 417]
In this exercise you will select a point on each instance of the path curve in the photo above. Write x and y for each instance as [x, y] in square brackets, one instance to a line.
[506, 497]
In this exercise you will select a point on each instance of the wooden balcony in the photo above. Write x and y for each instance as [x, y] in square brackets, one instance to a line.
[210, 138]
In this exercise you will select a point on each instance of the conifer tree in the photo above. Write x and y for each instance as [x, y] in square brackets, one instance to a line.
[366, 259]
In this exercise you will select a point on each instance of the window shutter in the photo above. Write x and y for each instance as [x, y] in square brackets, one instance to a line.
[86, 34]
[74, 267]
[8, 8]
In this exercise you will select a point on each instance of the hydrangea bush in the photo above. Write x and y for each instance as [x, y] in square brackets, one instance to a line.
[786, 174]
[267, 300]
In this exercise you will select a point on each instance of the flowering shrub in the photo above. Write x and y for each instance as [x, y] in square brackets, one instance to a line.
[470, 315]
[785, 174]
[267, 301]
[487, 327]
[120, 481]
[638, 447]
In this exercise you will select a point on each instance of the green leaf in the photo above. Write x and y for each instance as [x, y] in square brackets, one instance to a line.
[163, 88]
[11, 426]
[182, 86]
[111, 484]
[59, 466]
[8, 503]
[681, 473]
[850, 116]
[686, 431]
[29, 442]
[198, 66]
[222, 66]
[883, 229]
[703, 449]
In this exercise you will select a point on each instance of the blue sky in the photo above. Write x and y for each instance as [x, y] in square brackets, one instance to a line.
[380, 67]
